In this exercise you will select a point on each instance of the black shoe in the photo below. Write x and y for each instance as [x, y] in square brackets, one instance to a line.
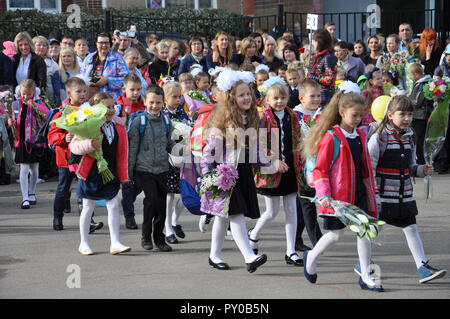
[146, 244]
[130, 223]
[57, 223]
[179, 231]
[25, 204]
[95, 226]
[301, 247]
[290, 261]
[163, 247]
[251, 267]
[32, 202]
[172, 239]
[220, 266]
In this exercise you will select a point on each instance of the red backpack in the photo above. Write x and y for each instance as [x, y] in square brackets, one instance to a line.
[196, 141]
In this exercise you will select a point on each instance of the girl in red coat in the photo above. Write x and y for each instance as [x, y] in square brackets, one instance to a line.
[348, 178]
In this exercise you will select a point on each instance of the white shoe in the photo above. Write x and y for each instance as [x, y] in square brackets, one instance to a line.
[85, 251]
[119, 249]
[229, 235]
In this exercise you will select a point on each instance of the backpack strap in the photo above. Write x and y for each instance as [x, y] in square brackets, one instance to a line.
[142, 124]
[336, 147]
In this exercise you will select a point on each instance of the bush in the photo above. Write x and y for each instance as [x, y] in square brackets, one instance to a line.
[181, 21]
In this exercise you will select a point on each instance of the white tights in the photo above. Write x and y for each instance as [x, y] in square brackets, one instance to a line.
[28, 185]
[272, 210]
[330, 238]
[415, 244]
[113, 221]
[239, 232]
[173, 212]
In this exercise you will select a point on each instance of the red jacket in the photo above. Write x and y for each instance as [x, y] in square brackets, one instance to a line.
[339, 181]
[134, 106]
[85, 147]
[57, 138]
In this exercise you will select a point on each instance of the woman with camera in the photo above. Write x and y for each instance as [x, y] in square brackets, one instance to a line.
[105, 68]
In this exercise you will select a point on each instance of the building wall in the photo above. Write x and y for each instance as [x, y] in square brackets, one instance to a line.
[235, 6]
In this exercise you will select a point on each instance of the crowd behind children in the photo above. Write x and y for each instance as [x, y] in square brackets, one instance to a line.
[231, 83]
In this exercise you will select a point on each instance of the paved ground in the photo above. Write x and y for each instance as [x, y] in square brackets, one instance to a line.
[38, 262]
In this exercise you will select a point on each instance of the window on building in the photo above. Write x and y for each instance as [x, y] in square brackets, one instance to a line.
[192, 4]
[45, 5]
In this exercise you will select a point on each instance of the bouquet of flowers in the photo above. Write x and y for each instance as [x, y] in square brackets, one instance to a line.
[199, 96]
[398, 63]
[85, 122]
[220, 180]
[439, 91]
[6, 100]
[181, 130]
[357, 220]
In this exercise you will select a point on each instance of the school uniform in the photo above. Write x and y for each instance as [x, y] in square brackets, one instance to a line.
[293, 96]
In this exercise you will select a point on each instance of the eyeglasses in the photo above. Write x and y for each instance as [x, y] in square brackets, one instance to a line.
[103, 43]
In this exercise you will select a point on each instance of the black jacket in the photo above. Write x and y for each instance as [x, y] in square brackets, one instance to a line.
[158, 68]
[6, 70]
[37, 70]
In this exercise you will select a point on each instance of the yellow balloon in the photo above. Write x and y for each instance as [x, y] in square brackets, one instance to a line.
[379, 107]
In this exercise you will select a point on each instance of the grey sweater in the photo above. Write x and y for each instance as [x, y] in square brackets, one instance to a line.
[150, 153]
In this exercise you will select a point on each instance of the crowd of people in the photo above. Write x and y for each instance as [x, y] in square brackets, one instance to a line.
[250, 83]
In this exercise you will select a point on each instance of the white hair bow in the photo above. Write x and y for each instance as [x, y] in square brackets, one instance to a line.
[228, 78]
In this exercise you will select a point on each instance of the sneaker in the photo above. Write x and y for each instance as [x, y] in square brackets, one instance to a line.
[146, 244]
[204, 222]
[171, 239]
[357, 268]
[229, 235]
[428, 273]
[179, 231]
[163, 247]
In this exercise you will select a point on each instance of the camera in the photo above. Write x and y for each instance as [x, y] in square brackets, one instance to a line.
[94, 79]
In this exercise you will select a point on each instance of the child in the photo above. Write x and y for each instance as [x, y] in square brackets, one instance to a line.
[201, 81]
[422, 107]
[149, 161]
[235, 110]
[261, 76]
[90, 185]
[393, 170]
[187, 84]
[372, 89]
[160, 68]
[76, 90]
[294, 80]
[309, 96]
[276, 116]
[30, 113]
[130, 102]
[350, 178]
[174, 110]
[281, 72]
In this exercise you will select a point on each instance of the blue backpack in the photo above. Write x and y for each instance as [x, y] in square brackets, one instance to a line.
[143, 121]
[311, 161]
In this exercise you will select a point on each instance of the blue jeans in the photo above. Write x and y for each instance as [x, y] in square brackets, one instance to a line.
[62, 191]
[129, 194]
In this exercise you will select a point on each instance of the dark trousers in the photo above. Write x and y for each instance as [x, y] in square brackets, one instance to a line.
[419, 127]
[155, 190]
[129, 194]
[62, 191]
[307, 216]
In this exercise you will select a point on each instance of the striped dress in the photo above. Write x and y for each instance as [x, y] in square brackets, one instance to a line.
[393, 162]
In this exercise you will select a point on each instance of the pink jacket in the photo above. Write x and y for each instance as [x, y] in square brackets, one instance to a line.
[339, 182]
[85, 147]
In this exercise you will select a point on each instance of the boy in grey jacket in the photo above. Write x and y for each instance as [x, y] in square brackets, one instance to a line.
[148, 158]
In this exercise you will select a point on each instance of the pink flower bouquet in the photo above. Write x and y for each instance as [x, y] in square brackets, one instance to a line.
[219, 180]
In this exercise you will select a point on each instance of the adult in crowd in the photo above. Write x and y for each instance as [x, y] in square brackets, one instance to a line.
[122, 42]
[27, 64]
[281, 43]
[105, 68]
[151, 40]
[444, 68]
[405, 33]
[375, 45]
[353, 67]
[392, 45]
[269, 57]
[430, 53]
[324, 66]
[6, 70]
[173, 56]
[67, 41]
[41, 46]
[248, 52]
[54, 49]
[194, 55]
[222, 52]
[68, 67]
[359, 49]
[131, 56]
[259, 43]
[290, 53]
[330, 26]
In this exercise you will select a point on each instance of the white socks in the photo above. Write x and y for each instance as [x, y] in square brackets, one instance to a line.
[239, 232]
[28, 185]
[415, 244]
[173, 212]
[272, 210]
[113, 222]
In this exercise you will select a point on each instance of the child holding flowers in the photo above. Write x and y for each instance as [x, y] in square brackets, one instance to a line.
[349, 178]
[282, 121]
[392, 153]
[228, 189]
[30, 115]
[91, 185]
